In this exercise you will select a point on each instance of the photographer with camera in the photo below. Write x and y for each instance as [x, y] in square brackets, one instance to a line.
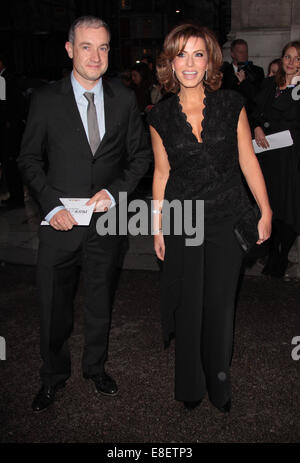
[242, 75]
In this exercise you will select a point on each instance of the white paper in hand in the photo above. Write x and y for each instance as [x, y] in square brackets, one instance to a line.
[78, 209]
[276, 140]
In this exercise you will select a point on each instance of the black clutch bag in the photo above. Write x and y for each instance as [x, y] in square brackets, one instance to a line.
[245, 228]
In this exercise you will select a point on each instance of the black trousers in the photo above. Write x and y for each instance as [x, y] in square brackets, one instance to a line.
[57, 279]
[280, 243]
[204, 320]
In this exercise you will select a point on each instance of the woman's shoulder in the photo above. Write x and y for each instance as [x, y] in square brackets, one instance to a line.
[164, 104]
[226, 99]
[224, 95]
[160, 110]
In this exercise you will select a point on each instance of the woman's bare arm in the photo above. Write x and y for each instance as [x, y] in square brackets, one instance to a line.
[253, 175]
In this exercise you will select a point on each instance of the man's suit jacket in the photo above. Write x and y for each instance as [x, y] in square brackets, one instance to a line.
[56, 159]
[247, 88]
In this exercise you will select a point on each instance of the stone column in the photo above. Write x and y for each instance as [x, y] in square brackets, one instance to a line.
[267, 25]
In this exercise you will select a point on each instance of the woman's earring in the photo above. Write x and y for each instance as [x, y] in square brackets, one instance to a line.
[205, 76]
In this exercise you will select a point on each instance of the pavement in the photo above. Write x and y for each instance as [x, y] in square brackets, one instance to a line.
[264, 372]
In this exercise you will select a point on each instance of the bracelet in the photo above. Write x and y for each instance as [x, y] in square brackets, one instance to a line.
[156, 211]
[155, 232]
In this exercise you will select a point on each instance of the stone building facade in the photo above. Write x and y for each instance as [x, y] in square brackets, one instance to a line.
[267, 25]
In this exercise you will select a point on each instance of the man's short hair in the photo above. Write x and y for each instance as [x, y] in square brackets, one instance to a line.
[86, 21]
[238, 42]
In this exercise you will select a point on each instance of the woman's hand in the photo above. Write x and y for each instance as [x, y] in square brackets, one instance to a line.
[260, 137]
[264, 228]
[159, 246]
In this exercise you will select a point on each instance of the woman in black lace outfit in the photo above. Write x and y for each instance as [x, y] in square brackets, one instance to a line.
[278, 110]
[201, 139]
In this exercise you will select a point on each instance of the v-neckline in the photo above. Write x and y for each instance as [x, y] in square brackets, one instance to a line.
[189, 125]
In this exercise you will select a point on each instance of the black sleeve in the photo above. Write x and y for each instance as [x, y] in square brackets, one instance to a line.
[153, 118]
[234, 104]
[139, 153]
[257, 117]
[31, 160]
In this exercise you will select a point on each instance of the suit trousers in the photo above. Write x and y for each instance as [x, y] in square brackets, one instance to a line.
[57, 280]
[205, 317]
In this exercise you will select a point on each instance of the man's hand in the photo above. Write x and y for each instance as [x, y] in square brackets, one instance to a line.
[63, 221]
[241, 75]
[102, 201]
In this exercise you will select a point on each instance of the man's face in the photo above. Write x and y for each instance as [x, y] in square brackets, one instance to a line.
[90, 54]
[239, 53]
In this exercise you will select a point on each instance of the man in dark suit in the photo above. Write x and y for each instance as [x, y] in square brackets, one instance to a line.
[84, 138]
[242, 75]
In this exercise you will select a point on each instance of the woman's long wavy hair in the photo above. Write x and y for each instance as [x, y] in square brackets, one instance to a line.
[175, 42]
[280, 76]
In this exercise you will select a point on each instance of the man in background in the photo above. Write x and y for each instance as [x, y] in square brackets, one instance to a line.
[242, 75]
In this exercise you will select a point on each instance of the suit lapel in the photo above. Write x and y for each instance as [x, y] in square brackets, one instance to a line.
[109, 113]
[70, 106]
[74, 117]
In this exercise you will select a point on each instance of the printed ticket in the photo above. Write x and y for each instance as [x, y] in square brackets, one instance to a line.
[78, 209]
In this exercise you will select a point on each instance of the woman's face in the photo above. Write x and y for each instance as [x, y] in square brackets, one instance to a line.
[191, 63]
[291, 61]
[273, 69]
[136, 77]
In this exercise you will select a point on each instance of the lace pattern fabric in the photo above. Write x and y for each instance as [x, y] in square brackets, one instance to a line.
[199, 168]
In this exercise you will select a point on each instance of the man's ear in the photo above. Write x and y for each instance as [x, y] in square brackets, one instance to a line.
[69, 48]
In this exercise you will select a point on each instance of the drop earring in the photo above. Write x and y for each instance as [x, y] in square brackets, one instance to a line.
[205, 76]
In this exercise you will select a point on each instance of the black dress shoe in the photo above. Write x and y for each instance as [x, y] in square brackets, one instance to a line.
[105, 384]
[45, 397]
[226, 408]
[191, 404]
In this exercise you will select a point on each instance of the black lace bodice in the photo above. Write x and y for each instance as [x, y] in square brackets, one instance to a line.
[199, 169]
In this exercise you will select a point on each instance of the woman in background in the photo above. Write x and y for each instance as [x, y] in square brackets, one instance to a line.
[273, 67]
[278, 109]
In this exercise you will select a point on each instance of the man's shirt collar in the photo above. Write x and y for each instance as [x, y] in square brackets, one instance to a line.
[79, 90]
